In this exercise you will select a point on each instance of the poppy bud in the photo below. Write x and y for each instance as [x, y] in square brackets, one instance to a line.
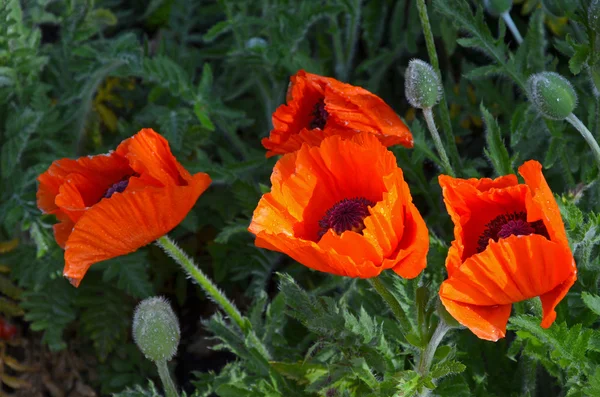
[558, 8]
[156, 329]
[594, 15]
[552, 94]
[422, 85]
[497, 7]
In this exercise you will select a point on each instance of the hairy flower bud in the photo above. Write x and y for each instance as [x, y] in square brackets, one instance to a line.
[422, 85]
[552, 94]
[156, 329]
[497, 7]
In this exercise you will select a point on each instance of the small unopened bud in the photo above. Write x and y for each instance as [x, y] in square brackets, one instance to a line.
[156, 329]
[497, 7]
[558, 8]
[552, 95]
[422, 86]
[594, 15]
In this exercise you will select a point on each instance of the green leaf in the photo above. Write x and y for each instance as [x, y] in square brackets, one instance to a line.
[446, 368]
[592, 302]
[496, 150]
[131, 273]
[51, 310]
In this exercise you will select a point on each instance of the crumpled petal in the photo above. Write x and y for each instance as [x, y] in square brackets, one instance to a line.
[350, 110]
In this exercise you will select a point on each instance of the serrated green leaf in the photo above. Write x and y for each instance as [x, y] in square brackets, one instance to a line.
[496, 150]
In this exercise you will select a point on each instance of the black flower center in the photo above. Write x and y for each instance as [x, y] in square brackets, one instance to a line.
[118, 187]
[504, 226]
[320, 116]
[347, 214]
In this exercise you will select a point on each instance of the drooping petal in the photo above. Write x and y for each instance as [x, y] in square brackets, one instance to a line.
[127, 221]
[487, 322]
[552, 298]
[510, 270]
[356, 109]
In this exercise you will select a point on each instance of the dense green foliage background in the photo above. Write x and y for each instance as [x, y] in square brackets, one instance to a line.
[77, 77]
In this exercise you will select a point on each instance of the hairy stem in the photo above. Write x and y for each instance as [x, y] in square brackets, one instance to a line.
[389, 299]
[586, 134]
[437, 141]
[165, 378]
[205, 283]
[443, 106]
[426, 358]
[512, 27]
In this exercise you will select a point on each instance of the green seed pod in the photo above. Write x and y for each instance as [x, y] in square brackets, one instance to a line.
[422, 85]
[156, 329]
[497, 7]
[559, 8]
[594, 15]
[552, 95]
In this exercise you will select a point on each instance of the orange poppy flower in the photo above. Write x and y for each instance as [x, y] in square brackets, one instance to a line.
[510, 245]
[343, 208]
[318, 107]
[112, 204]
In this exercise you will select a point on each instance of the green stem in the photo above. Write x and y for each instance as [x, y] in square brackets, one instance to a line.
[586, 134]
[165, 378]
[426, 358]
[443, 106]
[390, 299]
[193, 271]
[437, 141]
[512, 27]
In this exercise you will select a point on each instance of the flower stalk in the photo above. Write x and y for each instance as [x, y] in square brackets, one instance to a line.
[433, 59]
[428, 353]
[512, 27]
[205, 283]
[586, 134]
[165, 378]
[428, 114]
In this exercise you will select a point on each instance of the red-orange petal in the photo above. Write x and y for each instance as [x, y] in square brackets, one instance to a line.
[128, 221]
[552, 298]
[487, 322]
[350, 110]
[542, 204]
[510, 270]
[149, 155]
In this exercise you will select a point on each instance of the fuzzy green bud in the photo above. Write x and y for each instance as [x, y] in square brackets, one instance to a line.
[558, 8]
[422, 85]
[497, 7]
[594, 15]
[552, 94]
[156, 329]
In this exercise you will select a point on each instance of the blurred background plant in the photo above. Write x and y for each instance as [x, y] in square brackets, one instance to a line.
[77, 77]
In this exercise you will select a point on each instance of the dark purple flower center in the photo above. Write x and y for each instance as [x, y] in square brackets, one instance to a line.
[118, 187]
[320, 116]
[504, 226]
[347, 214]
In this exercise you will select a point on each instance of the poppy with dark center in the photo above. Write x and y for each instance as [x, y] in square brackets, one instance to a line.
[510, 245]
[318, 107]
[343, 208]
[112, 204]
